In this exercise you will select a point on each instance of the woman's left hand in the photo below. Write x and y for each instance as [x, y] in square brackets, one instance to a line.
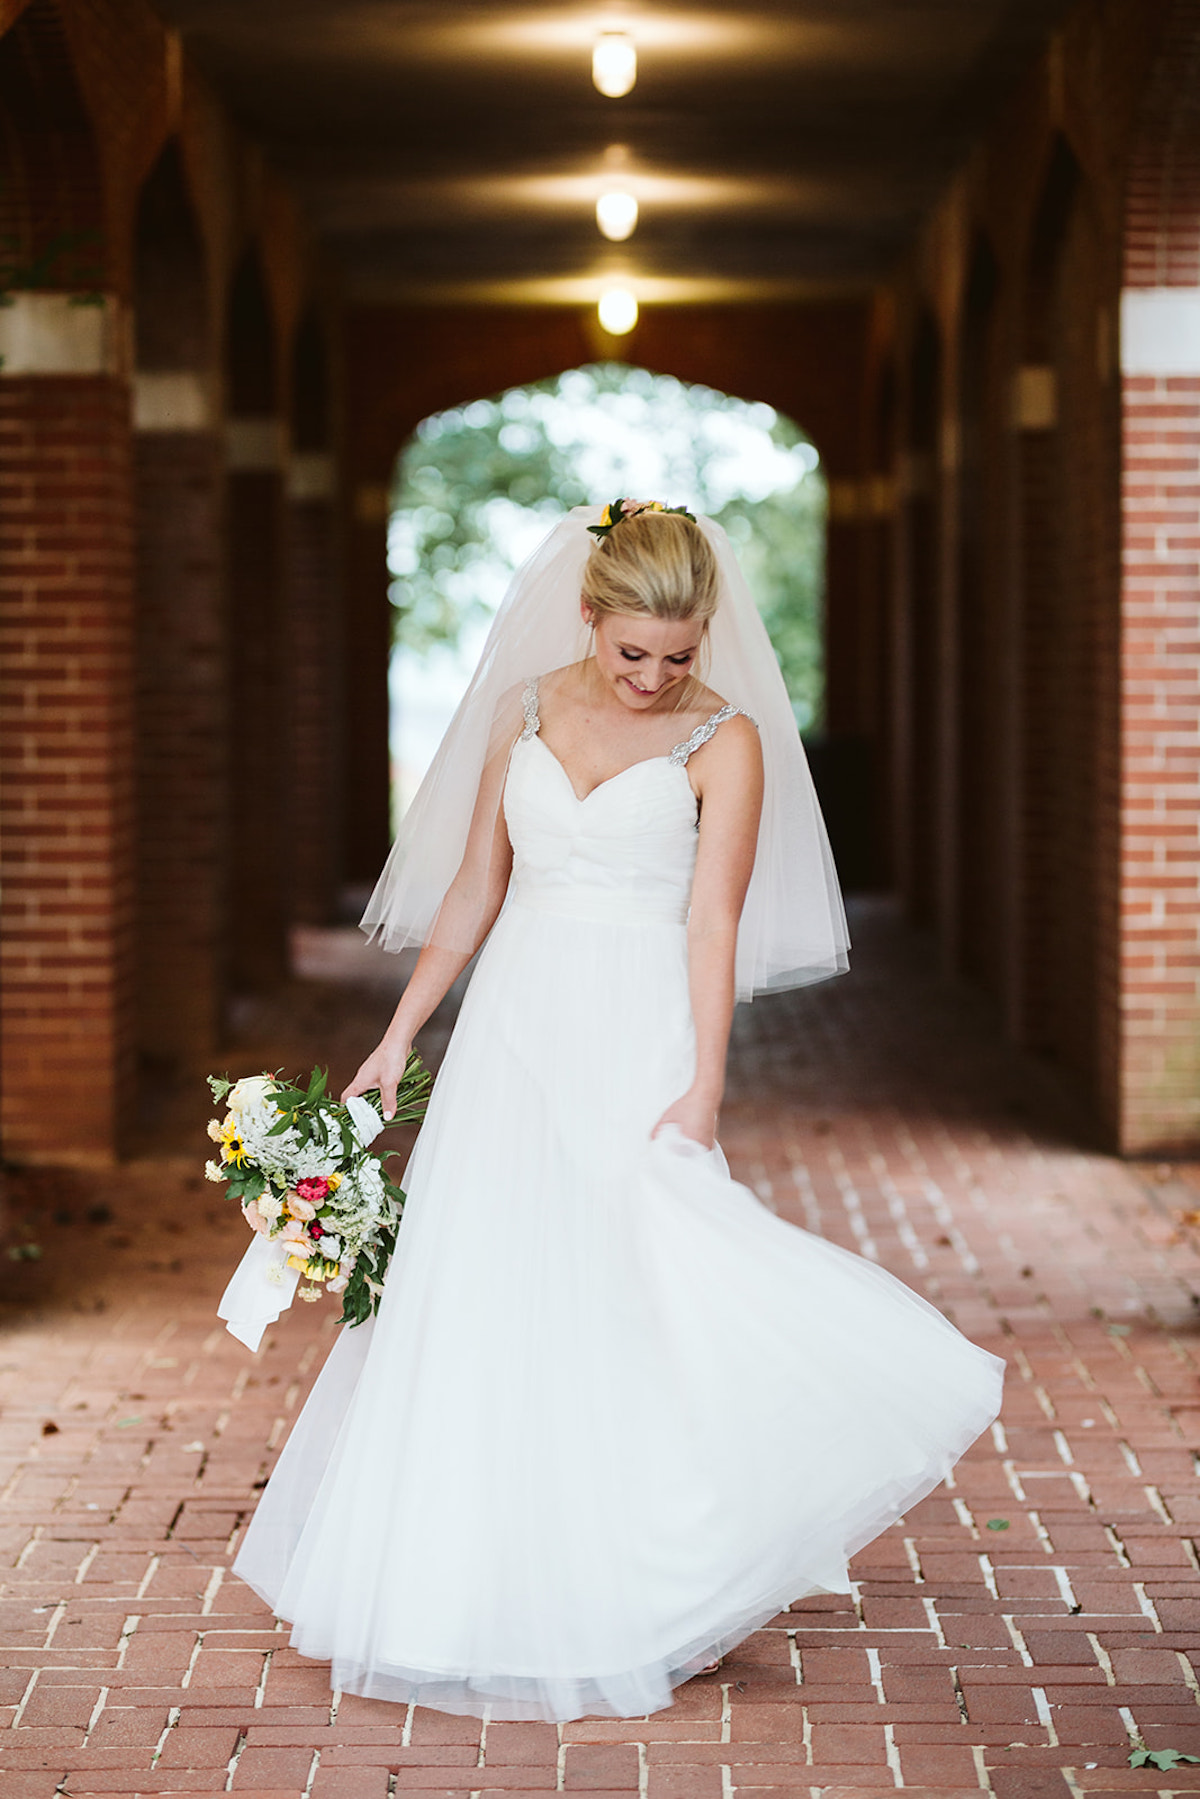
[694, 1116]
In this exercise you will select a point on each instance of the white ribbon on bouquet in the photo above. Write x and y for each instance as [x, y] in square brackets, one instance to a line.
[263, 1285]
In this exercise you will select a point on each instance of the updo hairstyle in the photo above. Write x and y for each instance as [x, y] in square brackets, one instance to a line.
[653, 565]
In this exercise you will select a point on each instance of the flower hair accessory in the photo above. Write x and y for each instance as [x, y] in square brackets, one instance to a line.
[618, 510]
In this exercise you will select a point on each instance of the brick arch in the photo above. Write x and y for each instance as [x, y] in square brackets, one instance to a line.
[250, 342]
[975, 649]
[879, 700]
[309, 386]
[179, 714]
[403, 364]
[919, 658]
[51, 203]
[172, 324]
[1058, 194]
[314, 626]
[1066, 501]
[258, 672]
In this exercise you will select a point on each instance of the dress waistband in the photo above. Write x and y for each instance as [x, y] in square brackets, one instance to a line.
[598, 905]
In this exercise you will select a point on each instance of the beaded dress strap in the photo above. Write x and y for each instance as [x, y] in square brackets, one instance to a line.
[701, 735]
[529, 707]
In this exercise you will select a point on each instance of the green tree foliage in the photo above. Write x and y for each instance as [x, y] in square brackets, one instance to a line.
[479, 484]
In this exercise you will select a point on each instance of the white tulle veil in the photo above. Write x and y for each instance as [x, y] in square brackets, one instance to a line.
[793, 926]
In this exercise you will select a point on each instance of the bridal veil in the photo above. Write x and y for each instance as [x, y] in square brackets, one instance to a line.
[793, 926]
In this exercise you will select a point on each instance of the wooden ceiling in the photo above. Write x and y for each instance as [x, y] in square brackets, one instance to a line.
[455, 151]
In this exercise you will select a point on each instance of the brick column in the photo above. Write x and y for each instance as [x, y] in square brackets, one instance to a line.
[1160, 813]
[181, 677]
[848, 760]
[66, 736]
[367, 649]
[316, 698]
[258, 662]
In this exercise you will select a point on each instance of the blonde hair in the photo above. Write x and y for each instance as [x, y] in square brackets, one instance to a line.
[653, 565]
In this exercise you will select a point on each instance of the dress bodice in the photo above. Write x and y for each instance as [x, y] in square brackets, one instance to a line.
[624, 853]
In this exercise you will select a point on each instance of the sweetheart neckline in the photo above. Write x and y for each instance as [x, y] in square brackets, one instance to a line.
[581, 799]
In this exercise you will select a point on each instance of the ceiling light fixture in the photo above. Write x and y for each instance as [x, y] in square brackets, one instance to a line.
[618, 310]
[617, 215]
[614, 63]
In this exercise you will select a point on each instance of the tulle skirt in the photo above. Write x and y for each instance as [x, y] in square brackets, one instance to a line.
[613, 1413]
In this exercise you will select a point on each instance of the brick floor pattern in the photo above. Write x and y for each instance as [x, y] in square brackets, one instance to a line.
[1019, 1633]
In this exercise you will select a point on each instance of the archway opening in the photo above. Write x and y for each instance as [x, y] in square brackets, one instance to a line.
[180, 719]
[477, 486]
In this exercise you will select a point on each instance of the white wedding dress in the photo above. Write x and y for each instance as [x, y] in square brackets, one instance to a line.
[613, 1413]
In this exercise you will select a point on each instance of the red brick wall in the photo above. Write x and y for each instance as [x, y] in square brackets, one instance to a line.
[1159, 1075]
[258, 660]
[182, 726]
[1006, 608]
[90, 91]
[315, 704]
[66, 768]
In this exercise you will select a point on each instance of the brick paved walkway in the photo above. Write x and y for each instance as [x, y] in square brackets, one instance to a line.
[1020, 1632]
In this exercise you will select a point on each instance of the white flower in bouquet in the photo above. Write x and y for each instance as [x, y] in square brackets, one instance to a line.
[213, 1171]
[330, 1247]
[367, 1181]
[256, 1122]
[311, 1162]
[252, 1091]
[269, 1206]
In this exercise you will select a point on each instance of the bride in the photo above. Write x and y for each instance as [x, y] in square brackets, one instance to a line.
[613, 1414]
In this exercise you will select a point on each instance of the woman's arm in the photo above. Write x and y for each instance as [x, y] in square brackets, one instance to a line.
[730, 786]
[466, 915]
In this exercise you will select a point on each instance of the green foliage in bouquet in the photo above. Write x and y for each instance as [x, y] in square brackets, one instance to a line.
[293, 1158]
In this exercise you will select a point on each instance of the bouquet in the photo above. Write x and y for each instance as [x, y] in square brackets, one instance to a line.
[318, 1197]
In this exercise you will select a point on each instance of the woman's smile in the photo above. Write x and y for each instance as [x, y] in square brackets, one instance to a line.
[629, 653]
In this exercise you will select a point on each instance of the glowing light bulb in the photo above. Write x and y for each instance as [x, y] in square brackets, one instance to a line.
[617, 215]
[618, 311]
[614, 63]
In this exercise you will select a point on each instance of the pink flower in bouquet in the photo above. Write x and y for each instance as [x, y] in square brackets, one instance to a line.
[300, 1207]
[295, 1232]
[314, 1188]
[254, 1218]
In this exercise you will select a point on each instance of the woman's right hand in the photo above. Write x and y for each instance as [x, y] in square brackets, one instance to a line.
[383, 1068]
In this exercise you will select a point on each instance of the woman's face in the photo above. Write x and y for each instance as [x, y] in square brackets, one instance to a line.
[642, 659]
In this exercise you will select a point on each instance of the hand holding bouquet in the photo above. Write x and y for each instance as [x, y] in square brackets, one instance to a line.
[318, 1197]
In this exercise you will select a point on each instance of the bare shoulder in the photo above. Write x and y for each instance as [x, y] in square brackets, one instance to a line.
[740, 733]
[738, 727]
[569, 673]
[731, 756]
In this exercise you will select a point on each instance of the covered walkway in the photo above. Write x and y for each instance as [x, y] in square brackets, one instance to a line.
[245, 247]
[1020, 1633]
